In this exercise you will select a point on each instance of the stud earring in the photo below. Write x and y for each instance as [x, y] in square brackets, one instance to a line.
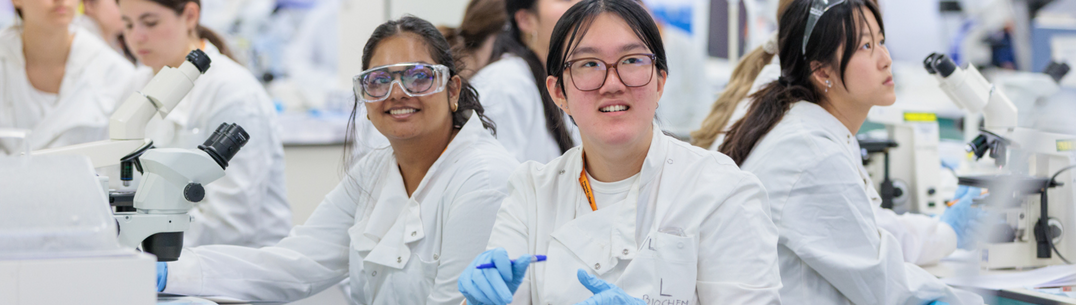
[828, 85]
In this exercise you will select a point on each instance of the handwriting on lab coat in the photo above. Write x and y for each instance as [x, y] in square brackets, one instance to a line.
[663, 298]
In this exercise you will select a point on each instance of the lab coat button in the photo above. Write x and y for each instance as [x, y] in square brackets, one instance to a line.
[680, 245]
[436, 257]
[399, 259]
[626, 251]
[670, 161]
[561, 172]
[413, 233]
[597, 266]
[373, 273]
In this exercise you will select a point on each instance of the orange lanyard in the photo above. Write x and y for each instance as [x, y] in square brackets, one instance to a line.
[583, 181]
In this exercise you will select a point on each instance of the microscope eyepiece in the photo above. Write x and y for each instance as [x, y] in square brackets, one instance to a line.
[224, 143]
[928, 63]
[199, 59]
[941, 64]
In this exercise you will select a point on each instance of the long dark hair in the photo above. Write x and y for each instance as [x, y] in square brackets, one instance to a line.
[202, 32]
[511, 42]
[836, 28]
[441, 53]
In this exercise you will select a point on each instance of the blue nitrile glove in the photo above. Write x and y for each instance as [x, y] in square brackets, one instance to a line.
[493, 286]
[938, 303]
[604, 293]
[963, 218]
[162, 275]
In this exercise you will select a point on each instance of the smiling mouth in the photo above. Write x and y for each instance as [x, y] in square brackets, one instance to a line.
[614, 108]
[401, 111]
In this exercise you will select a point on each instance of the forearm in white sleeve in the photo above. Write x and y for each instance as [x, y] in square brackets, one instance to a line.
[511, 230]
[465, 235]
[313, 257]
[827, 224]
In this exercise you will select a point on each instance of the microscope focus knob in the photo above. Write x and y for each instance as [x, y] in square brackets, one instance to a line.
[194, 192]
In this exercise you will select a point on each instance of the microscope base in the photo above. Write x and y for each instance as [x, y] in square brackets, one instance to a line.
[103, 280]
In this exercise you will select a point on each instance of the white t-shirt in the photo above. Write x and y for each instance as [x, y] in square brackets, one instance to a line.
[609, 193]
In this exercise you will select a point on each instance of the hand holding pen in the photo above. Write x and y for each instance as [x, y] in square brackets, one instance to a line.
[492, 278]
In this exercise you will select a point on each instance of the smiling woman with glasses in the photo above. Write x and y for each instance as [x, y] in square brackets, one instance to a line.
[632, 216]
[407, 219]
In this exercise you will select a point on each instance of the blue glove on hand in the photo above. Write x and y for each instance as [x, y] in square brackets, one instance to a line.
[963, 218]
[604, 293]
[938, 303]
[496, 285]
[162, 275]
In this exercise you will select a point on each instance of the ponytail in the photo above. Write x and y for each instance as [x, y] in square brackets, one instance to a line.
[215, 39]
[768, 106]
[743, 77]
[774, 99]
[721, 112]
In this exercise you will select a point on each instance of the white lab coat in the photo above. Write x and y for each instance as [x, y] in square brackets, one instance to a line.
[248, 206]
[694, 229]
[397, 250]
[94, 82]
[831, 249]
[506, 89]
[923, 239]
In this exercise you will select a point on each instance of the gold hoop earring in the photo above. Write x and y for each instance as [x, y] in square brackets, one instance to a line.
[455, 106]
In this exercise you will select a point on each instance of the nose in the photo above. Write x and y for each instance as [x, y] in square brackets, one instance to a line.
[612, 84]
[396, 91]
[135, 34]
[886, 60]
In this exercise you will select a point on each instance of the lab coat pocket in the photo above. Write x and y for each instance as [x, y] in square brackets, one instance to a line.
[664, 271]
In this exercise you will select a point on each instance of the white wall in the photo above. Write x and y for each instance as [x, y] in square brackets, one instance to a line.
[311, 172]
[359, 18]
[438, 12]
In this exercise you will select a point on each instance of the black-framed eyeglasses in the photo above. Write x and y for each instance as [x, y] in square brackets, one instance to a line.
[818, 7]
[588, 74]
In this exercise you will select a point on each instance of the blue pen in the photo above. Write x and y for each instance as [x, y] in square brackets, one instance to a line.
[537, 258]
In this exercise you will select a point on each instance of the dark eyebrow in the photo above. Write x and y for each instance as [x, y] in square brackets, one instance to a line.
[146, 15]
[592, 50]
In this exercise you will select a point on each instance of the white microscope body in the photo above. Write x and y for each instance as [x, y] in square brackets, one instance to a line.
[917, 181]
[173, 178]
[1026, 162]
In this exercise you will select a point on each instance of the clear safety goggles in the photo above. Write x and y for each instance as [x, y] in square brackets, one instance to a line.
[818, 7]
[416, 79]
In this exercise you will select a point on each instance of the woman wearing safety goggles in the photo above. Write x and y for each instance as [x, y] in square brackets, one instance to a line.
[633, 216]
[407, 219]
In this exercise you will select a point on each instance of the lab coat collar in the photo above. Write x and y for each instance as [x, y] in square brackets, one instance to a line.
[71, 111]
[613, 227]
[396, 220]
[814, 116]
